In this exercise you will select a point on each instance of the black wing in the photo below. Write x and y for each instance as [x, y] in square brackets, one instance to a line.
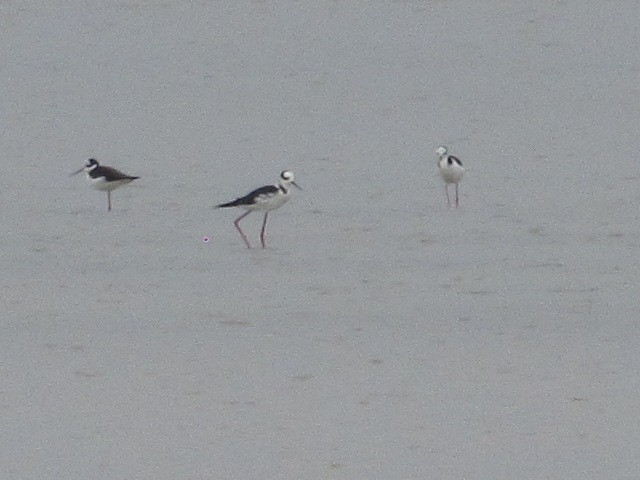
[110, 174]
[454, 159]
[252, 197]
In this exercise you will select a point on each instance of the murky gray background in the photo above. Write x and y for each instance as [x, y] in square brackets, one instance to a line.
[381, 335]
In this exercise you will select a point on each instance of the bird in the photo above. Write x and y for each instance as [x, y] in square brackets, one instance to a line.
[451, 170]
[264, 199]
[104, 178]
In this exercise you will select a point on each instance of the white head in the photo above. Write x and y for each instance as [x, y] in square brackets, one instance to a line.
[441, 151]
[286, 178]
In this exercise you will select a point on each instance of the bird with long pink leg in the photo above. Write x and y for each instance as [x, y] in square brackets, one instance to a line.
[265, 199]
[451, 171]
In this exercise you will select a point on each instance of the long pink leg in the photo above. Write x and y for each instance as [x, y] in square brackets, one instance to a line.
[237, 224]
[264, 226]
[108, 200]
[446, 190]
[456, 194]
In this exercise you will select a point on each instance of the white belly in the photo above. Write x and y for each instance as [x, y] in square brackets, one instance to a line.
[267, 203]
[451, 173]
[101, 184]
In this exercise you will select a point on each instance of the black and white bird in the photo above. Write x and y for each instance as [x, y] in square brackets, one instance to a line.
[451, 170]
[264, 199]
[104, 178]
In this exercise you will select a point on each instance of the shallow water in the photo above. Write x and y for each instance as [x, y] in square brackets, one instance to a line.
[380, 334]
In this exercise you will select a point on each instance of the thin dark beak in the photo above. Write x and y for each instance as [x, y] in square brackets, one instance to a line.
[75, 173]
[296, 185]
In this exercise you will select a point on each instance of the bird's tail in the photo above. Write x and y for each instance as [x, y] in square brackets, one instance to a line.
[234, 203]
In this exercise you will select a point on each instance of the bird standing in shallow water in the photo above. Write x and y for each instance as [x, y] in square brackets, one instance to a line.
[451, 171]
[104, 178]
[265, 199]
